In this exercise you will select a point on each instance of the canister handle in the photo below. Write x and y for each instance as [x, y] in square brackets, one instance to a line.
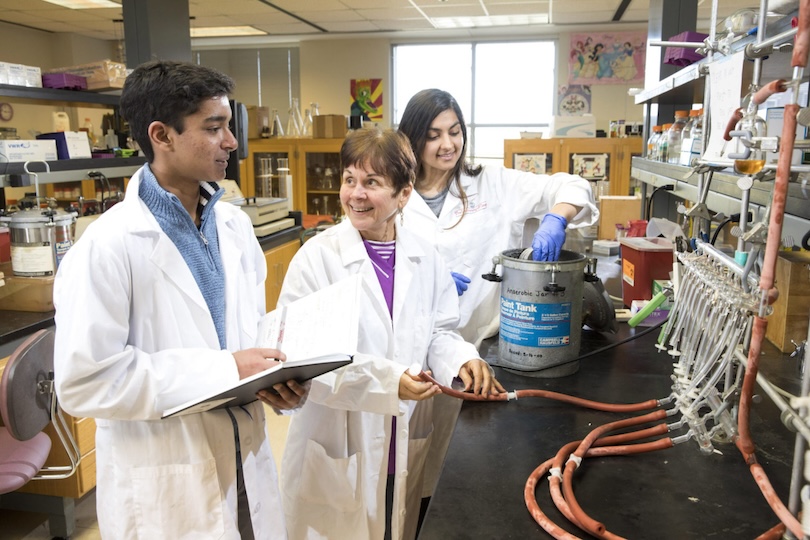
[493, 275]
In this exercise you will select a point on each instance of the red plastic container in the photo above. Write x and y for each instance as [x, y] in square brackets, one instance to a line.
[5, 245]
[644, 260]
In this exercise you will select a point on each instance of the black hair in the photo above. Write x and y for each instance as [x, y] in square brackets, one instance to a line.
[385, 151]
[167, 91]
[421, 110]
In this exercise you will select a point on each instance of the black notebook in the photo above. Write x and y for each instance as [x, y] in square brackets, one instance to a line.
[245, 391]
[320, 328]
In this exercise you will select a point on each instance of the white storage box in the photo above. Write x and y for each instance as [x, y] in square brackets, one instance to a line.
[69, 144]
[573, 126]
[28, 150]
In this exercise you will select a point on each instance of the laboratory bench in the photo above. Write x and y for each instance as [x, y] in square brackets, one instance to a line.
[677, 493]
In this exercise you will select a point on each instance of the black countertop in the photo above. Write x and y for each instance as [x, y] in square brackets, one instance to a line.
[674, 494]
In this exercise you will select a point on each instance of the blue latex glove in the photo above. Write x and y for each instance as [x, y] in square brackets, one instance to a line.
[461, 282]
[549, 238]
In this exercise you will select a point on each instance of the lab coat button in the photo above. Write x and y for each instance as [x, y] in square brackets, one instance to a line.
[248, 441]
[404, 474]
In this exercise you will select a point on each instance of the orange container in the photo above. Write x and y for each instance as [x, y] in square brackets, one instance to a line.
[644, 260]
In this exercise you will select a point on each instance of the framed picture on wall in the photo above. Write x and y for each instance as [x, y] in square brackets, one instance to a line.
[533, 163]
[590, 166]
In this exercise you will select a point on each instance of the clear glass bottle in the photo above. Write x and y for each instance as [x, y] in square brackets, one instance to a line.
[663, 143]
[674, 134]
[314, 107]
[696, 133]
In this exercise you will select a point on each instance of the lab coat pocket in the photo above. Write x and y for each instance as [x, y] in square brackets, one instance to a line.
[177, 501]
[332, 482]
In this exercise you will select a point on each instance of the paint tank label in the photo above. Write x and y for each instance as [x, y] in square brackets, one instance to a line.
[535, 325]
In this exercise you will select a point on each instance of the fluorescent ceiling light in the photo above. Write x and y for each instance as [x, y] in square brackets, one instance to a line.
[85, 4]
[220, 31]
[482, 22]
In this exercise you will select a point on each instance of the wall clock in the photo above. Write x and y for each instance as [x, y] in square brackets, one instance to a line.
[6, 112]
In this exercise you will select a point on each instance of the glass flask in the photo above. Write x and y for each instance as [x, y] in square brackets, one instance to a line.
[307, 129]
[277, 130]
[755, 161]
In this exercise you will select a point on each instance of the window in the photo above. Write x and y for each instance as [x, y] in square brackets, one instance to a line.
[502, 88]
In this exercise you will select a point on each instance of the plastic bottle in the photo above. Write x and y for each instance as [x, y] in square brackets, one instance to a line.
[88, 126]
[111, 139]
[674, 135]
[663, 144]
[621, 130]
[652, 143]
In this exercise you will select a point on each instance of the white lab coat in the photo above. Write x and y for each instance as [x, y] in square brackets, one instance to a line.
[134, 337]
[336, 458]
[504, 207]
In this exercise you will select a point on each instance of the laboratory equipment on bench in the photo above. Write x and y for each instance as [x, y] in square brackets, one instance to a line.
[267, 214]
[542, 311]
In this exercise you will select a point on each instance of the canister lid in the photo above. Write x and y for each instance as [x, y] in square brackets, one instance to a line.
[38, 215]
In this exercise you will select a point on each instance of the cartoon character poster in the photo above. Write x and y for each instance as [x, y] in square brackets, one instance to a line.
[367, 99]
[574, 100]
[607, 58]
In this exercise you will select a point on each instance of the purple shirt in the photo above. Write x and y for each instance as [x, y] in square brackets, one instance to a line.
[383, 257]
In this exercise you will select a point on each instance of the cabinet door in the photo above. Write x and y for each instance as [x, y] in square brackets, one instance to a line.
[262, 167]
[319, 160]
[541, 156]
[278, 259]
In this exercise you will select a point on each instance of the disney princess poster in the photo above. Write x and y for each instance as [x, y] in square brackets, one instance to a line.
[607, 58]
[367, 99]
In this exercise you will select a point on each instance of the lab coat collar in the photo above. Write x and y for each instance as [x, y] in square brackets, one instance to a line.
[167, 257]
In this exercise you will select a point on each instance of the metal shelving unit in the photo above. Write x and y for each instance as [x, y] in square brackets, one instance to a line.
[65, 170]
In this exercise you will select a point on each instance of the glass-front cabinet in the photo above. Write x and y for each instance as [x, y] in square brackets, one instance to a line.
[313, 163]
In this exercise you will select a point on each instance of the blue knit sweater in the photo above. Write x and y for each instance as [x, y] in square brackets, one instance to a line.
[199, 247]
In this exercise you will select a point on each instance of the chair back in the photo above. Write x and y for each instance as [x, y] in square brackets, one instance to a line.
[26, 388]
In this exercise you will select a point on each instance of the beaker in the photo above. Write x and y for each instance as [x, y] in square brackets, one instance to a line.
[265, 176]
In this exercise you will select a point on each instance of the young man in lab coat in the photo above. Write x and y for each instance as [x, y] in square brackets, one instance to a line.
[159, 303]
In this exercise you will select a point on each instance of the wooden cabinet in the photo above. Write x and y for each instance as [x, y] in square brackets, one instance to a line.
[313, 163]
[592, 158]
[278, 260]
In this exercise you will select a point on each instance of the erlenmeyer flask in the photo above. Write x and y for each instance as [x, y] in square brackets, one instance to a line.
[307, 129]
[277, 130]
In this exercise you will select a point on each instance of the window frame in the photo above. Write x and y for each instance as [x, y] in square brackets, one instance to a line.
[469, 116]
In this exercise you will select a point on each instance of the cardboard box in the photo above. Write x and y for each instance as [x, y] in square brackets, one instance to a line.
[28, 150]
[258, 117]
[329, 126]
[573, 126]
[70, 144]
[615, 209]
[790, 311]
[102, 75]
[25, 293]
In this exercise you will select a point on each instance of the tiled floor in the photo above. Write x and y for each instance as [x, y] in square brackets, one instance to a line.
[32, 526]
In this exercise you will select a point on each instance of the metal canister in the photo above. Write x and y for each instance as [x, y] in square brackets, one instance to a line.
[40, 238]
[541, 313]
